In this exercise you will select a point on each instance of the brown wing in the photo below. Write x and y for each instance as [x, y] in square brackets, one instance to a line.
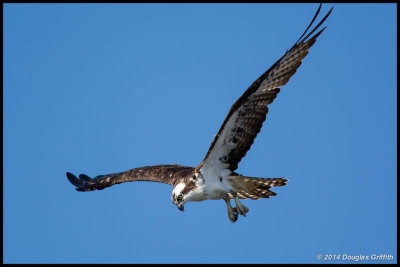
[245, 118]
[168, 174]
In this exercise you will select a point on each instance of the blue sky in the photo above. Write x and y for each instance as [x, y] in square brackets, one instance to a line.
[102, 88]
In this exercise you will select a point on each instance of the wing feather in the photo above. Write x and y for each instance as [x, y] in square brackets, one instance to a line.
[247, 114]
[168, 174]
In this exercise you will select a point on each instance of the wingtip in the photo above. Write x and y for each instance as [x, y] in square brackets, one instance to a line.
[70, 176]
[315, 28]
[84, 177]
[319, 8]
[73, 179]
[318, 34]
[309, 25]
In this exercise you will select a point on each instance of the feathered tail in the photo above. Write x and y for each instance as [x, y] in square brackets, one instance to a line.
[255, 187]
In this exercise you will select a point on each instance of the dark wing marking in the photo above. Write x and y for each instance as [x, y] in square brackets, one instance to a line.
[168, 174]
[245, 118]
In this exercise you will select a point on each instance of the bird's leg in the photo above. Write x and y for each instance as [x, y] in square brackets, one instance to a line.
[240, 208]
[233, 215]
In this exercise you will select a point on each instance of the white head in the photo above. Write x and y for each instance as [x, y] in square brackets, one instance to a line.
[185, 191]
[178, 195]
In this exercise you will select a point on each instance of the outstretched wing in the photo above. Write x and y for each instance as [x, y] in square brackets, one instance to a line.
[168, 174]
[245, 118]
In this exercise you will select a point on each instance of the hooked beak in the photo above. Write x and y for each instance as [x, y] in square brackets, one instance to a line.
[180, 207]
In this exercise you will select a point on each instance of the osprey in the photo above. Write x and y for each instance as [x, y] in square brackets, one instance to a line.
[215, 176]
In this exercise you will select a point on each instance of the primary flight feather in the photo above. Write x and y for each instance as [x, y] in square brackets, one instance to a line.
[215, 176]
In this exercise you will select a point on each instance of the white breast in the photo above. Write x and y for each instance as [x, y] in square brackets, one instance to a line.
[216, 183]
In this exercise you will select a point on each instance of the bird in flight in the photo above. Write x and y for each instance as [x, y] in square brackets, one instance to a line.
[215, 177]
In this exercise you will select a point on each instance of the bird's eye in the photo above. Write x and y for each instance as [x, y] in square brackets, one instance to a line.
[180, 197]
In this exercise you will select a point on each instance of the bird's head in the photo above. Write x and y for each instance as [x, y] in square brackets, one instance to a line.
[184, 191]
[178, 195]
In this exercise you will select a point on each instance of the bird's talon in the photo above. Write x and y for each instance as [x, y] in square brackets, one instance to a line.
[235, 217]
